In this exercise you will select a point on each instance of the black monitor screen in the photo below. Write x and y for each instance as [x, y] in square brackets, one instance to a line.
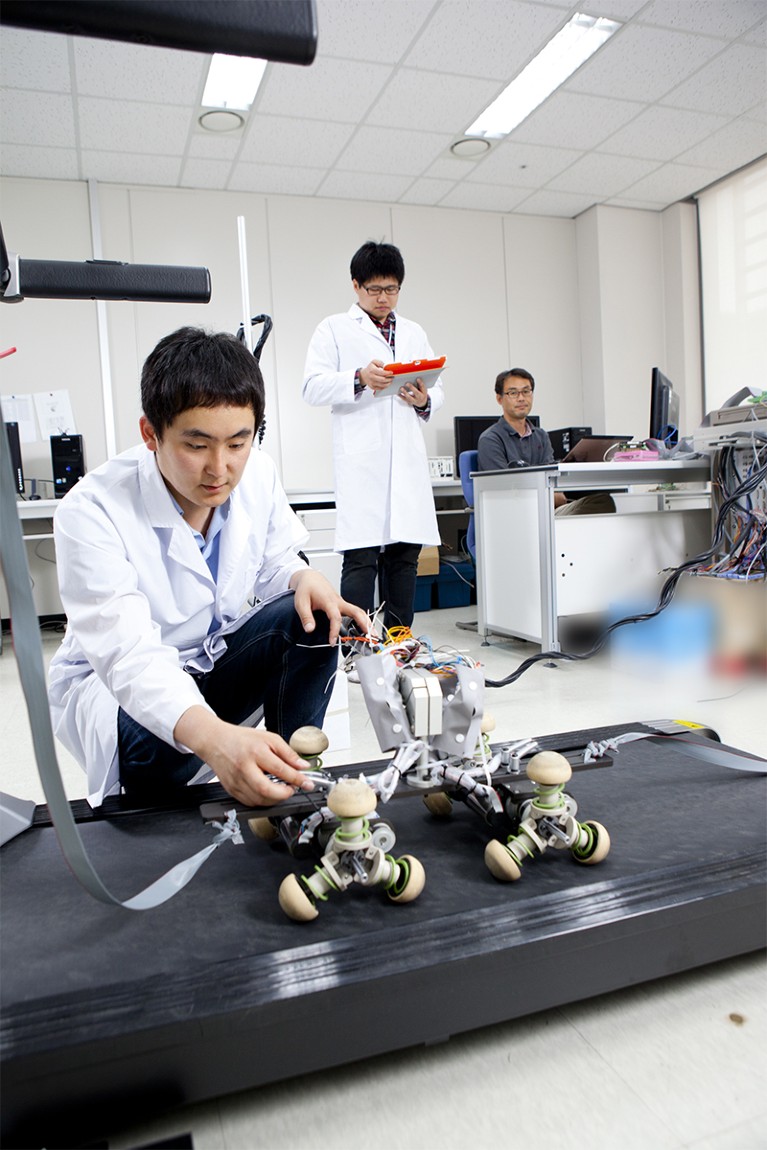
[664, 409]
[468, 428]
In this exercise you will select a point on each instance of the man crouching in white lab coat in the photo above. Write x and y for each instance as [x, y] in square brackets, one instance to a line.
[159, 552]
[384, 500]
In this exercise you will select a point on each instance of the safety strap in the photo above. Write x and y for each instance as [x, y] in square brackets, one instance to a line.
[29, 657]
[709, 752]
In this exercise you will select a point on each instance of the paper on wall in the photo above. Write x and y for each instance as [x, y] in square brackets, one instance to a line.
[54, 413]
[19, 409]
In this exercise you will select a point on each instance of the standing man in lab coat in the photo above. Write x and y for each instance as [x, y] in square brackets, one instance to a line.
[384, 500]
[159, 551]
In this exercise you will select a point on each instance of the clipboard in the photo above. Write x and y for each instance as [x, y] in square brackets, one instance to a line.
[428, 370]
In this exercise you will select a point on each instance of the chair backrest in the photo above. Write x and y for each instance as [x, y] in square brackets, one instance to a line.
[468, 461]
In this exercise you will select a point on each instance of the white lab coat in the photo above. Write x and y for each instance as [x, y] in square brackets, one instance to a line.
[382, 483]
[141, 602]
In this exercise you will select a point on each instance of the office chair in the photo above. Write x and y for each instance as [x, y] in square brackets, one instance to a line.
[468, 462]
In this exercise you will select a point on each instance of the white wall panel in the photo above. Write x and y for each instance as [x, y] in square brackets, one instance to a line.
[543, 314]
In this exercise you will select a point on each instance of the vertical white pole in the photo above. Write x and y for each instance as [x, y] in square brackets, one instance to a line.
[110, 434]
[244, 282]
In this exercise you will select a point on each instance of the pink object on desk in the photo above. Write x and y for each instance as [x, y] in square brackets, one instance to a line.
[638, 456]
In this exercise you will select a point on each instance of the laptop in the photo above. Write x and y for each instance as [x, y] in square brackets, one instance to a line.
[592, 448]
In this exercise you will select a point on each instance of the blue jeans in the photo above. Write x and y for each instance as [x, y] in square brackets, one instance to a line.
[269, 663]
[395, 567]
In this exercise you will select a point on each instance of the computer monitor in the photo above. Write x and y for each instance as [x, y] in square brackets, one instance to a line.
[664, 409]
[468, 428]
[12, 431]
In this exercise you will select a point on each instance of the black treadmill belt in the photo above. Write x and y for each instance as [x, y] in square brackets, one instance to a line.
[203, 993]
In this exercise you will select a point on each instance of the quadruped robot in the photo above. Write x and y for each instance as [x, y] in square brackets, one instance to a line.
[427, 707]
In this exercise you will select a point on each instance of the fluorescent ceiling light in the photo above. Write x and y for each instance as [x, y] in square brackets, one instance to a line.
[232, 82]
[570, 48]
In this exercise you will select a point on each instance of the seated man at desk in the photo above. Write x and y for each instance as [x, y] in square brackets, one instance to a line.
[514, 442]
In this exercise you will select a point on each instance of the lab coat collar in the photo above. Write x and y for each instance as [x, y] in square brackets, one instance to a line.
[360, 316]
[155, 495]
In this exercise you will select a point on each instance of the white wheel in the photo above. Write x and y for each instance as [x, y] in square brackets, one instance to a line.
[295, 901]
[500, 863]
[263, 829]
[598, 849]
[438, 804]
[410, 882]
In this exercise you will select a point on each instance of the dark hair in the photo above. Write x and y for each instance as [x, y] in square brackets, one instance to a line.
[377, 260]
[194, 368]
[520, 371]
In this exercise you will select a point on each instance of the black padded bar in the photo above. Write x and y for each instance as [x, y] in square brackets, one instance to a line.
[111, 280]
[285, 32]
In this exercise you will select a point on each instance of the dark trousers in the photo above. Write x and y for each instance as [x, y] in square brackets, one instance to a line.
[270, 663]
[395, 567]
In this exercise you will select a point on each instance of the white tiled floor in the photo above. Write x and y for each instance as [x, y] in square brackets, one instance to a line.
[681, 1062]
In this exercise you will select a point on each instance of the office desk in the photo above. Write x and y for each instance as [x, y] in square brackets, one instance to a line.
[533, 567]
[36, 518]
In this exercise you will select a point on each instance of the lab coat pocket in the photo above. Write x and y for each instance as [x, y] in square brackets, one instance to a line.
[359, 427]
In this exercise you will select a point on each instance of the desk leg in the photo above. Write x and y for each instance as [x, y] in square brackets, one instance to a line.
[548, 568]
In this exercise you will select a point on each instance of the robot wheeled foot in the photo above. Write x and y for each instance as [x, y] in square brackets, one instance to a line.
[547, 821]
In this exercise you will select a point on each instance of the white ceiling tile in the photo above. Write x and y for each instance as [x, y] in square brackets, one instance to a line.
[340, 90]
[489, 38]
[729, 148]
[429, 100]
[40, 163]
[757, 35]
[524, 165]
[426, 191]
[620, 10]
[643, 63]
[662, 133]
[112, 125]
[363, 186]
[138, 71]
[34, 60]
[731, 84]
[449, 167]
[346, 29]
[574, 120]
[709, 17]
[207, 145]
[547, 203]
[42, 118]
[281, 140]
[602, 175]
[670, 183]
[485, 197]
[389, 150]
[275, 179]
[205, 173]
[125, 168]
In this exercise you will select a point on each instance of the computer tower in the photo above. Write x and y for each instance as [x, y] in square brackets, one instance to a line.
[12, 431]
[68, 462]
[564, 439]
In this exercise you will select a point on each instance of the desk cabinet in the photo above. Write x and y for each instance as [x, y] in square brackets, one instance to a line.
[534, 568]
[37, 527]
